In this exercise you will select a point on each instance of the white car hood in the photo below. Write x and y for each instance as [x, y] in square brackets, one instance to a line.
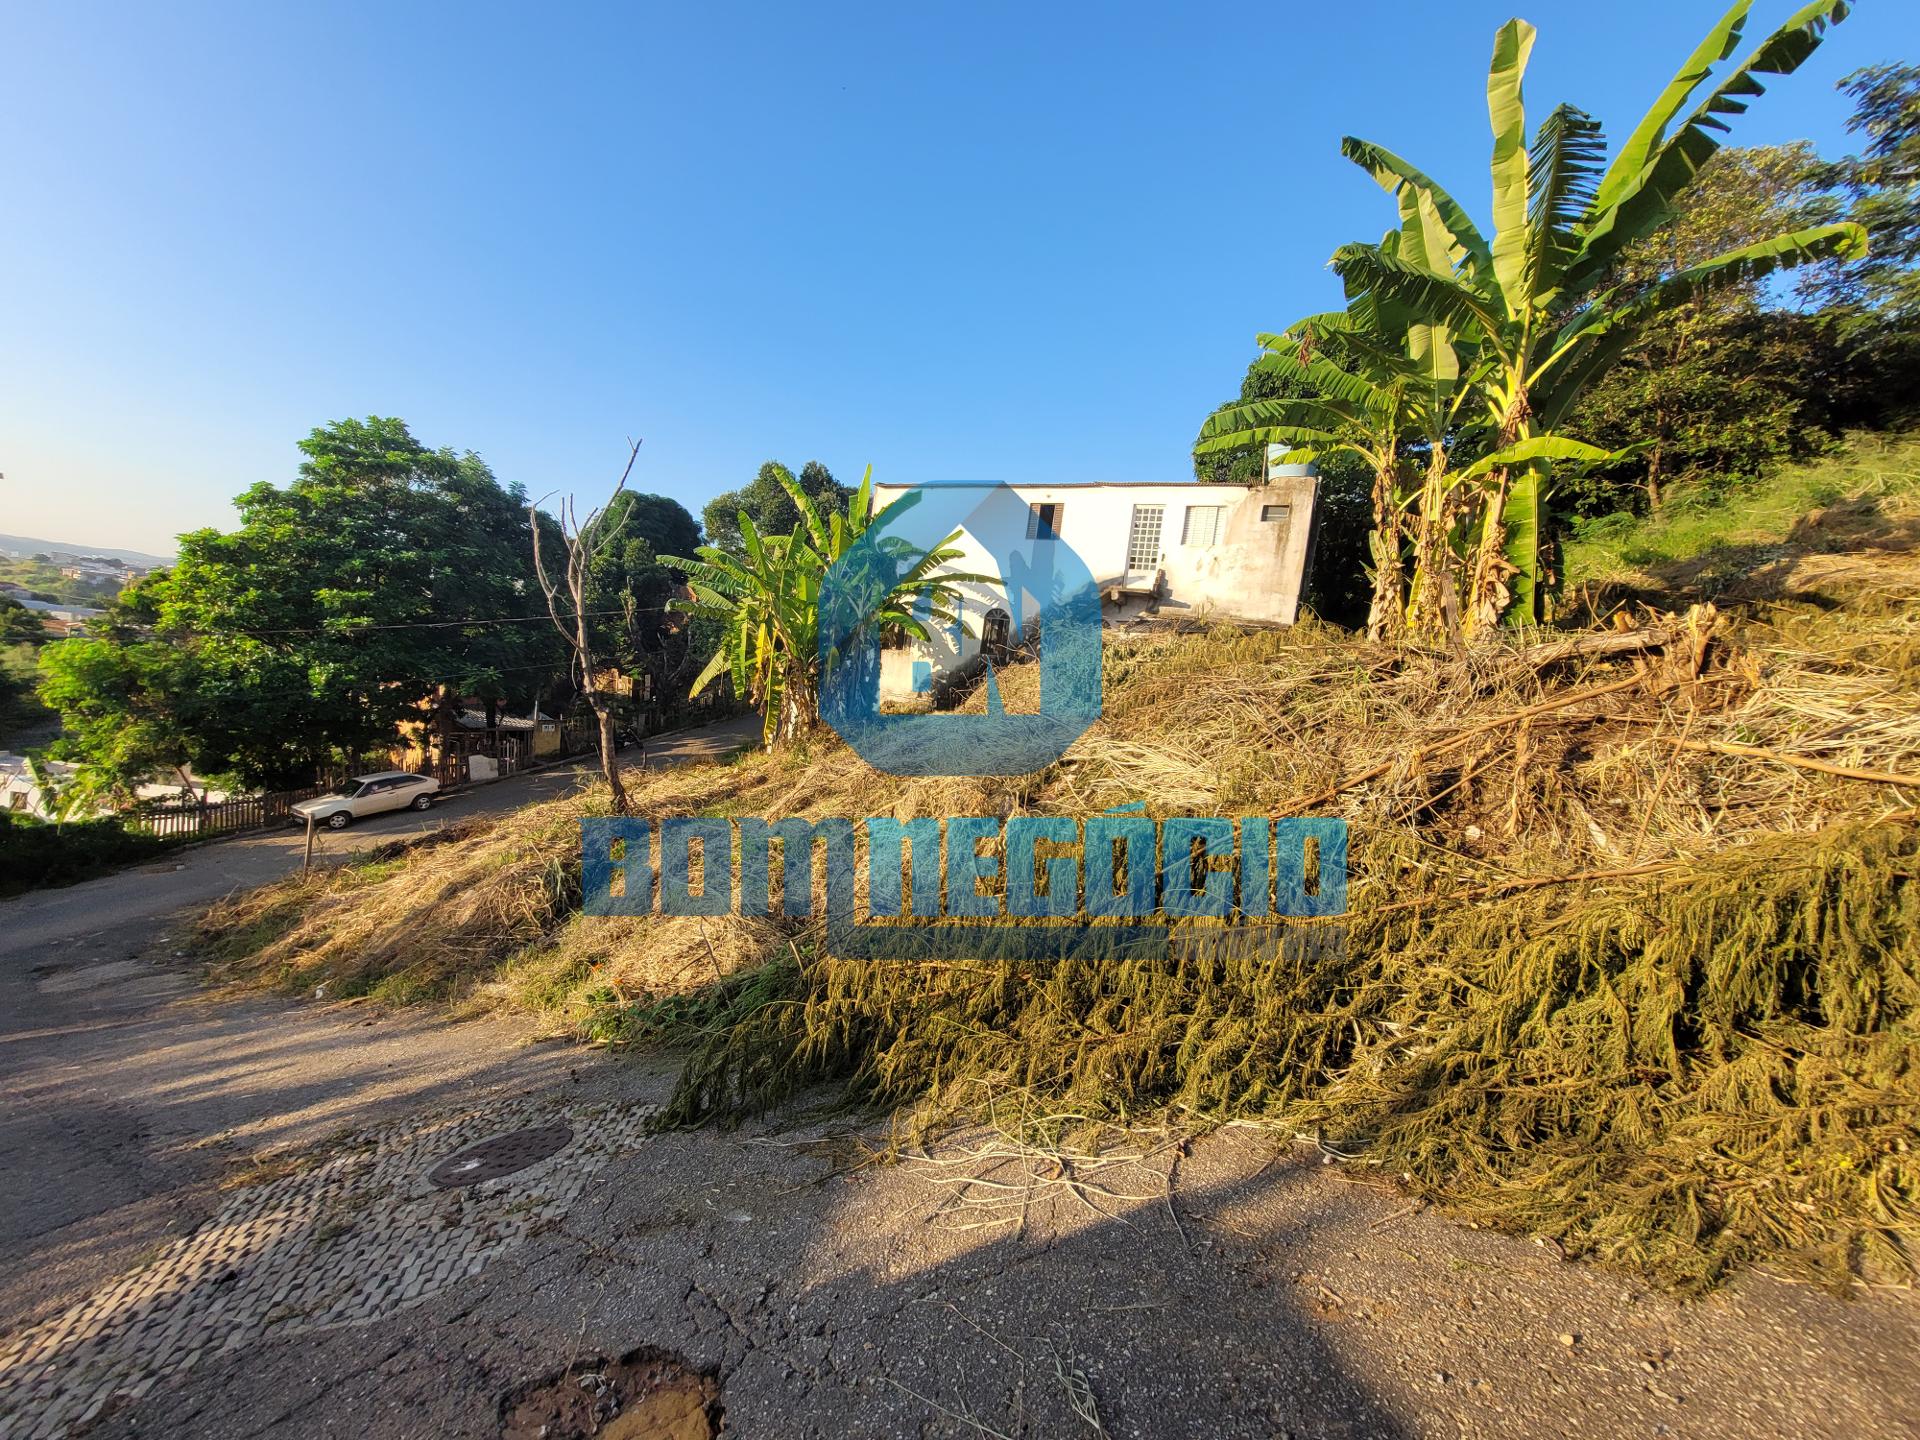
[319, 802]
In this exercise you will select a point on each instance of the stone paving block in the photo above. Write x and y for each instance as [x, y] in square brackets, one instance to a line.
[349, 1240]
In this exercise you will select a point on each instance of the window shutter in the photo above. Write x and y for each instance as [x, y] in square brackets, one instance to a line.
[1043, 521]
[1202, 526]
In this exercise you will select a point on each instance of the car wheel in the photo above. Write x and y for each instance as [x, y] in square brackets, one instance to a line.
[423, 802]
[339, 820]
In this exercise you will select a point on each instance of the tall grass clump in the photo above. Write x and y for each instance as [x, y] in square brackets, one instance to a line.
[1715, 534]
[1631, 958]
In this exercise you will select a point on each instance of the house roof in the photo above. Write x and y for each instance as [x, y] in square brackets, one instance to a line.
[59, 610]
[14, 766]
[477, 720]
[1056, 485]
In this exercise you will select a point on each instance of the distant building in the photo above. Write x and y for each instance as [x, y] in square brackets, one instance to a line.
[20, 793]
[541, 730]
[99, 570]
[57, 617]
[1227, 552]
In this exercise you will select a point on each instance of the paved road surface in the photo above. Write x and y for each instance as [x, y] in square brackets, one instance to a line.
[127, 1095]
[1232, 1288]
[201, 875]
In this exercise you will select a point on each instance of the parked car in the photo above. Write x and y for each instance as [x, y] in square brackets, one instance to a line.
[369, 795]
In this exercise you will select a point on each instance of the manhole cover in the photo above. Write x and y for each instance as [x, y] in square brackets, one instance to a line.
[499, 1155]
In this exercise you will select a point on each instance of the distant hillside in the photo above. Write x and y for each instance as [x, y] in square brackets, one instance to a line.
[27, 545]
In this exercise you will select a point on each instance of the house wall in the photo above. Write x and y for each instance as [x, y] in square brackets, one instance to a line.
[19, 793]
[1252, 569]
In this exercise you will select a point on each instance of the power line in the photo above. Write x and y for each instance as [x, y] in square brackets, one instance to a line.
[245, 690]
[353, 629]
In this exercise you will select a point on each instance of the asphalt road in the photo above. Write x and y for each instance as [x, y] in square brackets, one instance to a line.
[1231, 1287]
[127, 1092]
[204, 874]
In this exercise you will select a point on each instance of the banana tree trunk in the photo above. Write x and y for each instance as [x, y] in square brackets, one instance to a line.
[799, 706]
[1488, 594]
[1387, 614]
[1433, 611]
[1507, 560]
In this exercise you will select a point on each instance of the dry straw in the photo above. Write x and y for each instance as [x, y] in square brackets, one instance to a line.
[1629, 965]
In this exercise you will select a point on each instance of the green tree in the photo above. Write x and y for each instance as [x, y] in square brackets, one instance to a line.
[632, 591]
[767, 603]
[21, 712]
[1533, 301]
[1726, 383]
[1879, 189]
[19, 625]
[768, 500]
[131, 710]
[383, 574]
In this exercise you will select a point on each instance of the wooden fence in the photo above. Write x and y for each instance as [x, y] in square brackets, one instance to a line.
[246, 812]
[187, 817]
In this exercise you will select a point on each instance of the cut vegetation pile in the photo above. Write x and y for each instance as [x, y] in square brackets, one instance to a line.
[1633, 955]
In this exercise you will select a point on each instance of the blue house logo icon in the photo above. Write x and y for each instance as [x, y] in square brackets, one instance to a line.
[1049, 590]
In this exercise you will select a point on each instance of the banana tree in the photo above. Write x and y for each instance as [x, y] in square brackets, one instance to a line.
[1533, 302]
[768, 603]
[1381, 383]
[1362, 414]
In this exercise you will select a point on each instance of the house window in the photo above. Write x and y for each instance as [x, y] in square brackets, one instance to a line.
[1203, 525]
[1143, 540]
[1281, 513]
[995, 631]
[1043, 522]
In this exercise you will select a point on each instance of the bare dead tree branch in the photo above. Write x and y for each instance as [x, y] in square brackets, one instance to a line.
[584, 544]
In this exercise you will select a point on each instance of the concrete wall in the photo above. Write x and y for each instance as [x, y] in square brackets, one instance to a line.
[1231, 563]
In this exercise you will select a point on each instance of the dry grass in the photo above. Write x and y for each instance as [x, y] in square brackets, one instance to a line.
[1601, 983]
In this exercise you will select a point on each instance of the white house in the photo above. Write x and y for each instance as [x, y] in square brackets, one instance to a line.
[1228, 552]
[18, 789]
[56, 616]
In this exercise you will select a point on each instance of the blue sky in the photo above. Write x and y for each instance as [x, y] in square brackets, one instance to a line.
[1013, 243]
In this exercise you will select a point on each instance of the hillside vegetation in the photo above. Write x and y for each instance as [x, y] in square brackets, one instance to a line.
[1709, 539]
[1633, 956]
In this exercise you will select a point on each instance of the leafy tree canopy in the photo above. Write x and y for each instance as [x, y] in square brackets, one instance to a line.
[19, 625]
[769, 504]
[1880, 189]
[1728, 382]
[633, 588]
[382, 572]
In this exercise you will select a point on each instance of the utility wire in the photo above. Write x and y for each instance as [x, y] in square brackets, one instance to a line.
[290, 691]
[347, 627]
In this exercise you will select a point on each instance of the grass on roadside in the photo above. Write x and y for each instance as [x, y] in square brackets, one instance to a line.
[1719, 536]
[1658, 1001]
